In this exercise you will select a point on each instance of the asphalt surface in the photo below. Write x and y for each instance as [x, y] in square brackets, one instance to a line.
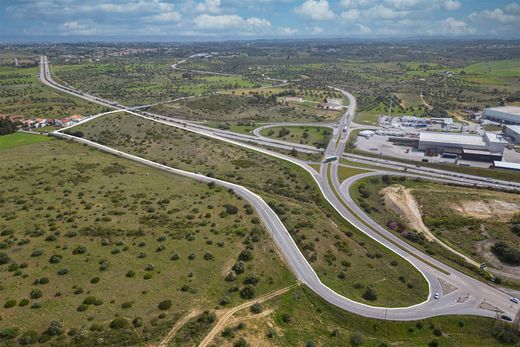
[473, 291]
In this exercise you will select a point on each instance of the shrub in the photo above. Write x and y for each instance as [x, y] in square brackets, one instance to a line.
[94, 280]
[231, 276]
[36, 294]
[370, 294]
[55, 327]
[63, 271]
[82, 307]
[239, 267]
[241, 342]
[251, 279]
[147, 276]
[36, 253]
[130, 273]
[225, 300]
[79, 250]
[175, 256]
[36, 305]
[55, 259]
[245, 255]
[230, 209]
[165, 305]
[119, 323]
[506, 253]
[248, 292]
[356, 339]
[28, 338]
[9, 333]
[23, 302]
[256, 308]
[208, 256]
[10, 303]
[126, 305]
[286, 318]
[437, 332]
[137, 322]
[4, 258]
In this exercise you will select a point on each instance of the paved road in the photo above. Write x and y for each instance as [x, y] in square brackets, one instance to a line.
[448, 304]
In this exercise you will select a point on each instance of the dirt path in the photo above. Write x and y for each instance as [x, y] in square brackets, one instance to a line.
[400, 200]
[425, 103]
[164, 342]
[227, 314]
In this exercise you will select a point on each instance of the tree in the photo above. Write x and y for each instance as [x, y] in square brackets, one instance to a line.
[119, 323]
[245, 255]
[248, 292]
[4, 258]
[7, 126]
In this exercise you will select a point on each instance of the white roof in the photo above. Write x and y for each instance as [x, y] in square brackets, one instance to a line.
[515, 110]
[448, 138]
[507, 165]
[514, 128]
[492, 137]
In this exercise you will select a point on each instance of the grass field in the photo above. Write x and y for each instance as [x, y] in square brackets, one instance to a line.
[22, 94]
[300, 318]
[20, 139]
[236, 108]
[344, 258]
[306, 135]
[87, 237]
[467, 219]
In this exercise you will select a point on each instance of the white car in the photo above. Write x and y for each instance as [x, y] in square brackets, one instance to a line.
[515, 300]
[436, 296]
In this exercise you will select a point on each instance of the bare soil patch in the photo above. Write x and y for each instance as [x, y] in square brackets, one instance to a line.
[486, 209]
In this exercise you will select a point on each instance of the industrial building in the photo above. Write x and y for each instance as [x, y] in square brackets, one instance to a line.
[513, 131]
[488, 147]
[504, 114]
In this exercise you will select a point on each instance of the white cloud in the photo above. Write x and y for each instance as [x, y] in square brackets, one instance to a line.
[211, 6]
[383, 12]
[229, 21]
[317, 10]
[513, 7]
[317, 30]
[452, 26]
[451, 5]
[172, 16]
[350, 15]
[285, 31]
[496, 15]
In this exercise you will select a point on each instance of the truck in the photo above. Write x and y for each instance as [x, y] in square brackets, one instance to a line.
[328, 159]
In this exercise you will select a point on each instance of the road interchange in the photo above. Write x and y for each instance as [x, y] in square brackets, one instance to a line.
[434, 271]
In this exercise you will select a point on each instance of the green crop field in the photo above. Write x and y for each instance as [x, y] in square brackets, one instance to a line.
[86, 237]
[344, 258]
[20, 139]
[22, 94]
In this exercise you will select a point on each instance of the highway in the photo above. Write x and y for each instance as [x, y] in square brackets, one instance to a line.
[434, 271]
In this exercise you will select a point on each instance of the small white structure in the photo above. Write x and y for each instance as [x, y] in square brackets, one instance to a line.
[504, 114]
[366, 133]
[334, 104]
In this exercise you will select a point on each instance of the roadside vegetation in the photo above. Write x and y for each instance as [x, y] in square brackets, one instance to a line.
[306, 135]
[97, 250]
[343, 257]
[300, 318]
[480, 223]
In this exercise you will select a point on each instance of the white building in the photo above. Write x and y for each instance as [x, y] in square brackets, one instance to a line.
[334, 104]
[504, 114]
[513, 131]
[442, 142]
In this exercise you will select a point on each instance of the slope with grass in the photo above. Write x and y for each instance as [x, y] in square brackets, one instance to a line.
[112, 251]
[344, 258]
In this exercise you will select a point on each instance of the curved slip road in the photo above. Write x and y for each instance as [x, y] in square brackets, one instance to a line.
[448, 304]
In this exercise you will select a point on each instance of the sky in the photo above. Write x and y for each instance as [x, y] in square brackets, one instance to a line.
[244, 19]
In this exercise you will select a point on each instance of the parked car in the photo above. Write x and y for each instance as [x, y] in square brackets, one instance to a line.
[515, 300]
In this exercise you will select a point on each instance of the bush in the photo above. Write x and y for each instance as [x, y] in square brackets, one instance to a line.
[175, 256]
[437, 332]
[256, 308]
[239, 267]
[251, 279]
[506, 253]
[248, 292]
[23, 302]
[130, 273]
[241, 342]
[55, 259]
[137, 322]
[126, 305]
[370, 294]
[79, 250]
[55, 327]
[94, 280]
[9, 333]
[286, 318]
[63, 271]
[165, 305]
[119, 323]
[36, 294]
[230, 209]
[356, 339]
[231, 276]
[4, 258]
[505, 334]
[245, 255]
[10, 303]
[28, 338]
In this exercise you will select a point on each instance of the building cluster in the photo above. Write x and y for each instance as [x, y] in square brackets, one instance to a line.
[36, 123]
[333, 104]
[415, 122]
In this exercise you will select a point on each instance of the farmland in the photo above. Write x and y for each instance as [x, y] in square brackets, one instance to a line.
[102, 249]
[339, 253]
[20, 139]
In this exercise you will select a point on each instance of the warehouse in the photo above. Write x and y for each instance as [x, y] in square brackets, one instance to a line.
[504, 114]
[487, 147]
[513, 131]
